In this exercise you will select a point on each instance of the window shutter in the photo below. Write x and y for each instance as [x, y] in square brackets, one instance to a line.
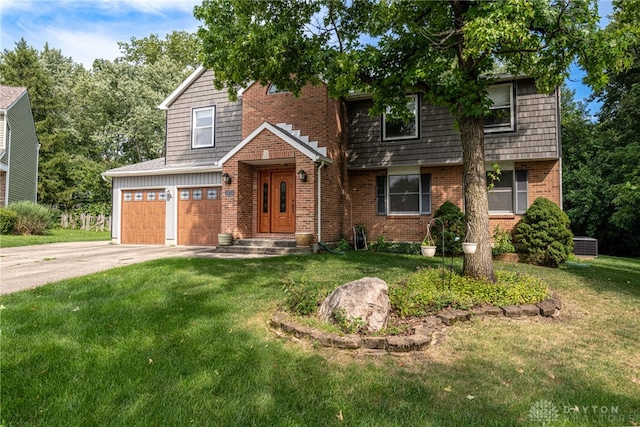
[425, 193]
[522, 202]
[381, 198]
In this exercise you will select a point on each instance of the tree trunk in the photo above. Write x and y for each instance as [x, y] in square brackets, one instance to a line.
[480, 263]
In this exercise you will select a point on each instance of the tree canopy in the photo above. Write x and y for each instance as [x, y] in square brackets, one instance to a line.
[449, 51]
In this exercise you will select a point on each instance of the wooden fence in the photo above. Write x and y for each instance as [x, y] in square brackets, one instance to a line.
[86, 221]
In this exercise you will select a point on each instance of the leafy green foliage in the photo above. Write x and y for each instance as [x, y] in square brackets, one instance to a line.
[8, 219]
[302, 297]
[545, 234]
[502, 244]
[430, 290]
[454, 228]
[343, 245]
[384, 246]
[348, 324]
[32, 218]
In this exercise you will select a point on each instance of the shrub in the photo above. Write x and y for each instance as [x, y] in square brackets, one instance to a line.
[544, 234]
[8, 219]
[454, 228]
[301, 297]
[32, 217]
[383, 246]
[430, 290]
[502, 244]
[343, 245]
[348, 324]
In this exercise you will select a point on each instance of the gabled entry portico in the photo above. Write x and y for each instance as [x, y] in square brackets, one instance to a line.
[265, 197]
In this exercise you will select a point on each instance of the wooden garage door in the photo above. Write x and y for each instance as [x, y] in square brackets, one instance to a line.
[199, 216]
[144, 217]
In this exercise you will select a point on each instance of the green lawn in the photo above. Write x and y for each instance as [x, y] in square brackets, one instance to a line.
[184, 342]
[56, 235]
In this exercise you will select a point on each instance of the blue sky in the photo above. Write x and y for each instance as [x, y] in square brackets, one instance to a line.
[90, 29]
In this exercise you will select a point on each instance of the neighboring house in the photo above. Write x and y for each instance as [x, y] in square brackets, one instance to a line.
[18, 147]
[234, 167]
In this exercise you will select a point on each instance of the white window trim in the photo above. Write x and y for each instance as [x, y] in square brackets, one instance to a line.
[416, 119]
[512, 124]
[274, 90]
[402, 171]
[194, 128]
[510, 167]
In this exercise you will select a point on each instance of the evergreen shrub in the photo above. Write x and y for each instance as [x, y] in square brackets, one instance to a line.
[544, 234]
[454, 227]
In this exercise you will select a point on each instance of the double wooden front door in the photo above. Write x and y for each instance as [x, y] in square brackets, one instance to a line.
[277, 202]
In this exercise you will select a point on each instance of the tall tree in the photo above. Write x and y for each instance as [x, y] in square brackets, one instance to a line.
[446, 50]
[180, 47]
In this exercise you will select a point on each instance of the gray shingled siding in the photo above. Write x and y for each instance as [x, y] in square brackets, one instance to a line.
[141, 182]
[535, 137]
[23, 152]
[228, 123]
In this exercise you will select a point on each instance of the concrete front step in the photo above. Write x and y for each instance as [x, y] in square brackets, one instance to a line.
[263, 250]
[266, 243]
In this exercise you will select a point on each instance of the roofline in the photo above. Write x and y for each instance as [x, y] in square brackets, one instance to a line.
[183, 86]
[280, 133]
[5, 110]
[163, 171]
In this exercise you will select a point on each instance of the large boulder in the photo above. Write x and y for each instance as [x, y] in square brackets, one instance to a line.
[367, 298]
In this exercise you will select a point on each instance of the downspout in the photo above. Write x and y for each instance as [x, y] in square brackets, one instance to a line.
[559, 136]
[320, 201]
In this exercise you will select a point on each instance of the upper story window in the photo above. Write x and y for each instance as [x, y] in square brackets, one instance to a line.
[274, 89]
[501, 118]
[203, 132]
[510, 194]
[397, 129]
[407, 194]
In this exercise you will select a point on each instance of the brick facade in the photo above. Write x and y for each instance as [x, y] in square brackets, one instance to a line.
[315, 115]
[446, 184]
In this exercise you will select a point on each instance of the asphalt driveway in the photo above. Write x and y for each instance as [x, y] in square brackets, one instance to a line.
[28, 267]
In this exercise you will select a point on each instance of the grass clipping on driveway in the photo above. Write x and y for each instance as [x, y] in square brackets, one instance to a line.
[181, 342]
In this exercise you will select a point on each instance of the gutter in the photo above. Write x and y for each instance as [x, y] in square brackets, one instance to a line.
[164, 171]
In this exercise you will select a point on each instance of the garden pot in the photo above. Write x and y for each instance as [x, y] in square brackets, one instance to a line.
[428, 251]
[303, 239]
[469, 248]
[225, 239]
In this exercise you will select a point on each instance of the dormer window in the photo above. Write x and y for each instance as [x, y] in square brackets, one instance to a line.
[203, 132]
[273, 89]
[398, 129]
[501, 117]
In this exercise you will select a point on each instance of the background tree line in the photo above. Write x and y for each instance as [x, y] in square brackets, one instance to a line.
[601, 164]
[89, 121]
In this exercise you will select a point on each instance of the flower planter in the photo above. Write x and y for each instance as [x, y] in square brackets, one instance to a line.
[469, 248]
[428, 251]
[225, 239]
[303, 239]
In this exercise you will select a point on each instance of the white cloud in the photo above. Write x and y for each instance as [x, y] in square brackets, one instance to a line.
[83, 47]
[90, 29]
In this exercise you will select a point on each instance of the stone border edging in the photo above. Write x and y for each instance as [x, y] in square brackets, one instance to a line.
[422, 335]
